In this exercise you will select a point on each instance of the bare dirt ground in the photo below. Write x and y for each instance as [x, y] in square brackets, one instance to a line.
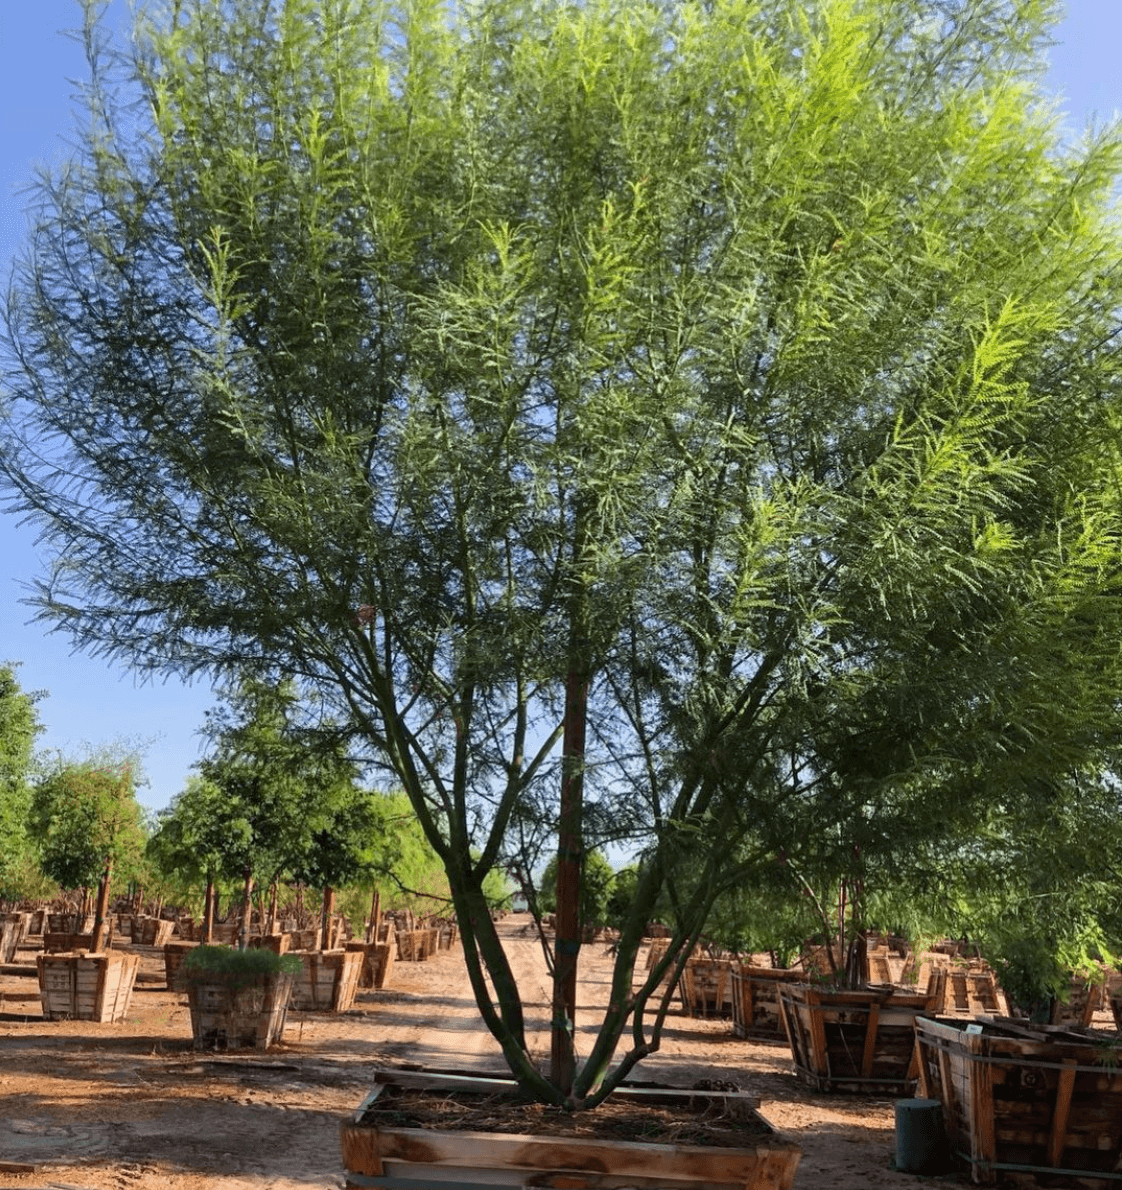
[128, 1106]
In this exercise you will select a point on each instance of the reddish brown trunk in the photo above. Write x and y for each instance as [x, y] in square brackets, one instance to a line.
[569, 858]
[101, 911]
[271, 925]
[208, 911]
[326, 919]
[247, 910]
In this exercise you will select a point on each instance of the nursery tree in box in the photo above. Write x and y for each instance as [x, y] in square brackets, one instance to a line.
[653, 423]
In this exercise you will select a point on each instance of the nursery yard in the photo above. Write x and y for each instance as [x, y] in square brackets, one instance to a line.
[116, 1107]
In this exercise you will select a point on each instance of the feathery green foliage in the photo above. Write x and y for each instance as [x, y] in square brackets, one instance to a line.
[724, 392]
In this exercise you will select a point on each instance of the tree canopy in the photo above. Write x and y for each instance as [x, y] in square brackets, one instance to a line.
[19, 725]
[708, 410]
[89, 826]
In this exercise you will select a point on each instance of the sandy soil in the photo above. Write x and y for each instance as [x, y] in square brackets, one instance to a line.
[128, 1106]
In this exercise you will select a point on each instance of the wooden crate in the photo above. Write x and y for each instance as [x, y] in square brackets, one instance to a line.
[860, 1041]
[407, 945]
[655, 953]
[1038, 1104]
[755, 999]
[385, 954]
[303, 939]
[377, 962]
[64, 943]
[227, 1017]
[656, 950]
[12, 929]
[381, 1150]
[152, 931]
[1078, 1007]
[175, 952]
[69, 923]
[224, 933]
[277, 943]
[87, 987]
[706, 987]
[328, 981]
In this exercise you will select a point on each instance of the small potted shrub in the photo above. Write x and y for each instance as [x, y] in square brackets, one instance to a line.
[238, 997]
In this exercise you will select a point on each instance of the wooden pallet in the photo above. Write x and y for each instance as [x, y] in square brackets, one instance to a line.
[970, 987]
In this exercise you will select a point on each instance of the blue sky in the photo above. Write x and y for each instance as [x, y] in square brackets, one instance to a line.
[88, 701]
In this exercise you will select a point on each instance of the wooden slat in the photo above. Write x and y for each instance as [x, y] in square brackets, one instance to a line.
[1058, 1130]
[870, 1052]
[622, 1158]
[818, 1036]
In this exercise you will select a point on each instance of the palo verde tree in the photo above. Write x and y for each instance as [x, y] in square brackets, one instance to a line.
[683, 423]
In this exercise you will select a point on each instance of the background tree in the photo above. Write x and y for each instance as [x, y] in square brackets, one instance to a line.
[19, 726]
[202, 838]
[281, 790]
[596, 882]
[687, 424]
[88, 824]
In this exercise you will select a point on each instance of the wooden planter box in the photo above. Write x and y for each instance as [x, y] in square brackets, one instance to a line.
[225, 933]
[69, 923]
[414, 946]
[13, 930]
[377, 962]
[231, 1017]
[377, 1154]
[1083, 998]
[65, 943]
[277, 943]
[328, 982]
[303, 939]
[151, 931]
[755, 1000]
[174, 954]
[87, 987]
[860, 1040]
[1038, 1103]
[706, 987]
[407, 945]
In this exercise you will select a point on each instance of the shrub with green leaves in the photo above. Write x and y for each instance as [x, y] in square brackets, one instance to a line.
[236, 968]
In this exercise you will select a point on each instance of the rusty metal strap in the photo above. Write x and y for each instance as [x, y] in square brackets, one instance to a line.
[1106, 1175]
